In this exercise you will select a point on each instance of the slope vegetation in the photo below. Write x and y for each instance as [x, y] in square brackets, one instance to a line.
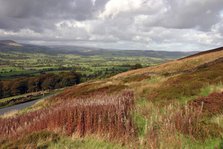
[177, 104]
[177, 66]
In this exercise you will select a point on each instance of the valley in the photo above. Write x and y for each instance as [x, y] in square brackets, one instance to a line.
[31, 68]
[111, 74]
[177, 103]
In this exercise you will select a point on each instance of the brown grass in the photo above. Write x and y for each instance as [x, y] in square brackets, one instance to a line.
[188, 84]
[165, 128]
[211, 105]
[175, 66]
[203, 53]
[104, 115]
[90, 89]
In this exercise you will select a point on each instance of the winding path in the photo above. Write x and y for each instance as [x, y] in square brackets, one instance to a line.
[22, 105]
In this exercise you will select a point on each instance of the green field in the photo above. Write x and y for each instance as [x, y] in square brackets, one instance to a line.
[96, 66]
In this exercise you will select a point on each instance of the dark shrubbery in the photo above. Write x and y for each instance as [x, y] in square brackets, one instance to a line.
[42, 82]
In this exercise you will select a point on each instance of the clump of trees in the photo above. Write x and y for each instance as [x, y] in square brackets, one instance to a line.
[136, 66]
[38, 83]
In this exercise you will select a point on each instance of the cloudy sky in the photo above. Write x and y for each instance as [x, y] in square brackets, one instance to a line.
[123, 24]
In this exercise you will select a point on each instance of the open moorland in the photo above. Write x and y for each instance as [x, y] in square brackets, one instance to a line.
[177, 104]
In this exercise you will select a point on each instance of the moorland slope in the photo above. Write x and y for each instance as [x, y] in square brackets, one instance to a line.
[177, 104]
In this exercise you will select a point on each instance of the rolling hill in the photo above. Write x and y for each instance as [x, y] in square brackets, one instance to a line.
[177, 104]
[9, 46]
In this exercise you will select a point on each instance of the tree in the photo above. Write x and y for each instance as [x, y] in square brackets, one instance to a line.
[37, 83]
[33, 84]
[6, 88]
[137, 66]
[1, 89]
[70, 78]
[49, 82]
[19, 87]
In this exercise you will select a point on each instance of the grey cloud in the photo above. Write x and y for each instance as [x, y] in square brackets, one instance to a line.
[191, 14]
[154, 24]
[40, 14]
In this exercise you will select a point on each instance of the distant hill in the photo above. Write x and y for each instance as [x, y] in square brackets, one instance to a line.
[12, 46]
[9, 43]
[87, 51]
[8, 46]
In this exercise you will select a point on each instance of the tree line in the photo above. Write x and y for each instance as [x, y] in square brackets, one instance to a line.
[47, 81]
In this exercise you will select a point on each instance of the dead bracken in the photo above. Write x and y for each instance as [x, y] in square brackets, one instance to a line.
[102, 114]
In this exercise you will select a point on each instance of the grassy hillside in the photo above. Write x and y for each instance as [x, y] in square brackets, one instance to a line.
[177, 104]
[177, 66]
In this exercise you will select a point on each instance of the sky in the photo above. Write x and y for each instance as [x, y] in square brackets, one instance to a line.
[170, 25]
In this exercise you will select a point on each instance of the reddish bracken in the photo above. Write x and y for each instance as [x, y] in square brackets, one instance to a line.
[102, 114]
[213, 104]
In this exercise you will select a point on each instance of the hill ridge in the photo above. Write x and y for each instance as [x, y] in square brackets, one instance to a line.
[179, 65]
[203, 52]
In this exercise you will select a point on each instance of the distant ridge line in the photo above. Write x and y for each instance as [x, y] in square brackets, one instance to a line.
[202, 53]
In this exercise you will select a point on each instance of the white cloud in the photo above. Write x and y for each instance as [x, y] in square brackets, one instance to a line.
[126, 24]
[114, 7]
